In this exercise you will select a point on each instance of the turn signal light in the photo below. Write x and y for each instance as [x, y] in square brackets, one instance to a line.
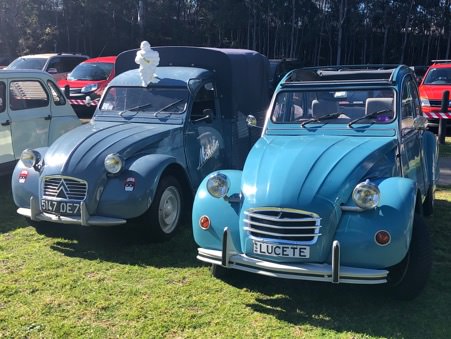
[382, 238]
[204, 222]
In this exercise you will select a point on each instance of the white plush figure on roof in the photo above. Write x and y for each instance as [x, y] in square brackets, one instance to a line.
[148, 60]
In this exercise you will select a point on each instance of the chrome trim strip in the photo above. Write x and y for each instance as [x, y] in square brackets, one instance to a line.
[269, 218]
[281, 227]
[352, 209]
[35, 214]
[253, 230]
[307, 271]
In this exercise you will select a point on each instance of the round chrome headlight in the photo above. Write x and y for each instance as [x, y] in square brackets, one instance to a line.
[113, 163]
[366, 195]
[30, 157]
[218, 185]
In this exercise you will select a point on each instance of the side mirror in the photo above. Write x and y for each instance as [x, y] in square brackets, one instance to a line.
[251, 121]
[52, 70]
[67, 91]
[420, 123]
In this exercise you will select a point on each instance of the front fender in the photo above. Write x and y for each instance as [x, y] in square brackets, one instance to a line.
[222, 213]
[25, 182]
[356, 230]
[131, 193]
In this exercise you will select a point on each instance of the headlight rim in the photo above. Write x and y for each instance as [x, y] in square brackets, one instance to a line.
[225, 181]
[119, 160]
[370, 186]
[35, 158]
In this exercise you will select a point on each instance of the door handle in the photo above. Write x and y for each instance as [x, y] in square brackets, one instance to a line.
[48, 117]
[6, 123]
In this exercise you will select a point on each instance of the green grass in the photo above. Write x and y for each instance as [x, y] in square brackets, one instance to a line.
[445, 149]
[79, 282]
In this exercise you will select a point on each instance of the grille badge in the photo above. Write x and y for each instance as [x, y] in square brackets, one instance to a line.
[62, 190]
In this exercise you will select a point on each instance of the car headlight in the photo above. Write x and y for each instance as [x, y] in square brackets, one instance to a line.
[366, 195]
[89, 88]
[30, 157]
[218, 185]
[425, 102]
[113, 163]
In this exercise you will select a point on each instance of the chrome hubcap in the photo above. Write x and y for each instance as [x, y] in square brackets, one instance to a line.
[169, 209]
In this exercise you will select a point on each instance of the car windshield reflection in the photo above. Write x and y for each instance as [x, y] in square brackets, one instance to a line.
[145, 100]
[340, 107]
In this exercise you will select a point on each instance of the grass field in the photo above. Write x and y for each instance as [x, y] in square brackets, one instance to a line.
[80, 282]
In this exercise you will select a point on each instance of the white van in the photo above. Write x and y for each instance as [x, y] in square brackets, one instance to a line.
[33, 113]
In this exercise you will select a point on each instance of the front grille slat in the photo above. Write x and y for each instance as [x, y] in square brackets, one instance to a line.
[278, 226]
[65, 188]
[283, 224]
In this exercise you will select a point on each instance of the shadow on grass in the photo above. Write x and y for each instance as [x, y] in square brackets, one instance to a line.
[124, 245]
[9, 219]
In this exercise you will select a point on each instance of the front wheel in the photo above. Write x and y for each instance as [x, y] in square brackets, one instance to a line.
[165, 214]
[407, 279]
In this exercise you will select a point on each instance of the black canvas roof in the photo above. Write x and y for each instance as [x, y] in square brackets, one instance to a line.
[242, 76]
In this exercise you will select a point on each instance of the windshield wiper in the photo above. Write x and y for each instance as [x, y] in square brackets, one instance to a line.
[136, 108]
[322, 117]
[370, 116]
[168, 106]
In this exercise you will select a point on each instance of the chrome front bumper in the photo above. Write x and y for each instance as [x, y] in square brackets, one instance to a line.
[84, 219]
[229, 257]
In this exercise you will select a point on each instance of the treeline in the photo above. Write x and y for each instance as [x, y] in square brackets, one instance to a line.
[319, 32]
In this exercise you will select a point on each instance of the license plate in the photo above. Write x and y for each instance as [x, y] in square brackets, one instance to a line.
[60, 207]
[278, 250]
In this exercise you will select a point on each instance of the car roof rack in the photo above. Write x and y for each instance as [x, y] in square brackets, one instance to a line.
[370, 72]
[441, 61]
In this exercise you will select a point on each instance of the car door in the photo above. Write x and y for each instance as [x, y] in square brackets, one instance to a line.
[30, 114]
[411, 143]
[6, 149]
[204, 145]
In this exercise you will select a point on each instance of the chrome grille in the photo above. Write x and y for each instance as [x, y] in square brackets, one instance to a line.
[283, 224]
[64, 188]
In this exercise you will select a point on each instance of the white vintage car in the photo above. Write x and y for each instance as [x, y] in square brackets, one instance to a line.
[33, 113]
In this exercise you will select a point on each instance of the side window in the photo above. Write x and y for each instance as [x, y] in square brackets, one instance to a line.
[415, 99]
[69, 63]
[57, 96]
[204, 102]
[408, 101]
[57, 64]
[2, 97]
[27, 94]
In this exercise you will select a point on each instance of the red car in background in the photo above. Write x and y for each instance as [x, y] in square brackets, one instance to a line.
[436, 80]
[85, 84]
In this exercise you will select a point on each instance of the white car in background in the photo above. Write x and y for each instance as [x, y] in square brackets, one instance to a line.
[57, 64]
[33, 113]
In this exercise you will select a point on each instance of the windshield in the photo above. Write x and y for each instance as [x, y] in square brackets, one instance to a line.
[438, 76]
[333, 107]
[148, 100]
[28, 63]
[91, 71]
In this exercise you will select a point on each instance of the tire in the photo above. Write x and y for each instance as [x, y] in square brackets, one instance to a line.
[164, 216]
[218, 271]
[407, 279]
[428, 204]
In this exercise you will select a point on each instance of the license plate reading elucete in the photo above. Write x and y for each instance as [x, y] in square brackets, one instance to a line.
[279, 250]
